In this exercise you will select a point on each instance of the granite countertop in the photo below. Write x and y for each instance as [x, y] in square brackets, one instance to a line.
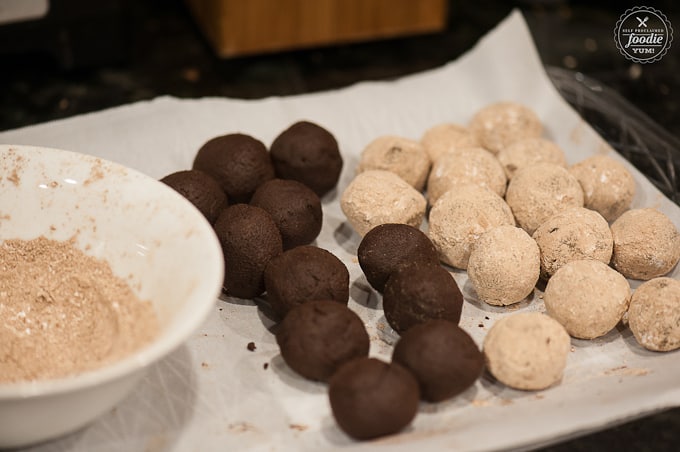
[146, 49]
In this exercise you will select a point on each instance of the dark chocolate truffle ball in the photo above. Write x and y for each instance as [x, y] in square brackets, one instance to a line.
[370, 398]
[201, 190]
[295, 208]
[317, 337]
[249, 239]
[307, 153]
[389, 246]
[238, 162]
[304, 274]
[419, 292]
[442, 356]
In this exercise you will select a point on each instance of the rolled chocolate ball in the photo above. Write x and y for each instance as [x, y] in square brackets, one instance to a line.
[447, 137]
[654, 314]
[295, 208]
[500, 124]
[307, 153]
[201, 190]
[303, 274]
[370, 398]
[442, 356]
[419, 292]
[249, 239]
[387, 247]
[317, 337]
[238, 162]
[404, 157]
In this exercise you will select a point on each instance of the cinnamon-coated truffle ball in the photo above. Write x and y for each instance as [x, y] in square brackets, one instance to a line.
[238, 162]
[527, 351]
[201, 190]
[249, 239]
[370, 398]
[587, 297]
[447, 137]
[442, 356]
[530, 151]
[319, 336]
[295, 208]
[501, 124]
[654, 314]
[404, 157]
[387, 247]
[504, 265]
[608, 186]
[419, 292]
[307, 153]
[646, 244]
[303, 274]
[539, 191]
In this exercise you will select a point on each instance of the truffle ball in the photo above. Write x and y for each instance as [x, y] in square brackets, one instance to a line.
[405, 158]
[654, 314]
[530, 151]
[587, 297]
[646, 244]
[238, 162]
[447, 137]
[573, 234]
[607, 185]
[249, 239]
[307, 153]
[317, 337]
[419, 292]
[389, 246]
[376, 197]
[295, 208]
[539, 191]
[303, 274]
[442, 356]
[501, 124]
[199, 189]
[504, 265]
[468, 166]
[460, 216]
[370, 398]
[527, 351]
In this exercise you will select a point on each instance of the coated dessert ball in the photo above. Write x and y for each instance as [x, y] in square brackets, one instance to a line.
[501, 124]
[319, 336]
[460, 216]
[530, 151]
[249, 239]
[527, 351]
[376, 197]
[238, 162]
[504, 265]
[539, 191]
[587, 297]
[304, 274]
[370, 398]
[608, 186]
[654, 314]
[199, 189]
[442, 356]
[405, 158]
[469, 166]
[295, 208]
[447, 137]
[573, 234]
[646, 244]
[387, 247]
[420, 292]
[307, 153]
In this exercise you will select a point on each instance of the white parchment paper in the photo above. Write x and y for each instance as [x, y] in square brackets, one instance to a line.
[212, 394]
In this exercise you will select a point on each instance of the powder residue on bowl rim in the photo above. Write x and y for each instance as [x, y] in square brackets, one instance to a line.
[63, 312]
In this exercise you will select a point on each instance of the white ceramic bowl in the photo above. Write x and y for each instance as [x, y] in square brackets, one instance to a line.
[142, 228]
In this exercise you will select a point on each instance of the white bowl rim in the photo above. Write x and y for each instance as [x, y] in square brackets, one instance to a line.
[157, 349]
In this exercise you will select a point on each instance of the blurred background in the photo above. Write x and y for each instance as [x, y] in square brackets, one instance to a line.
[66, 57]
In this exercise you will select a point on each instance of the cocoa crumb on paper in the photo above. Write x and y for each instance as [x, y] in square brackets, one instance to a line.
[298, 427]
[251, 346]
